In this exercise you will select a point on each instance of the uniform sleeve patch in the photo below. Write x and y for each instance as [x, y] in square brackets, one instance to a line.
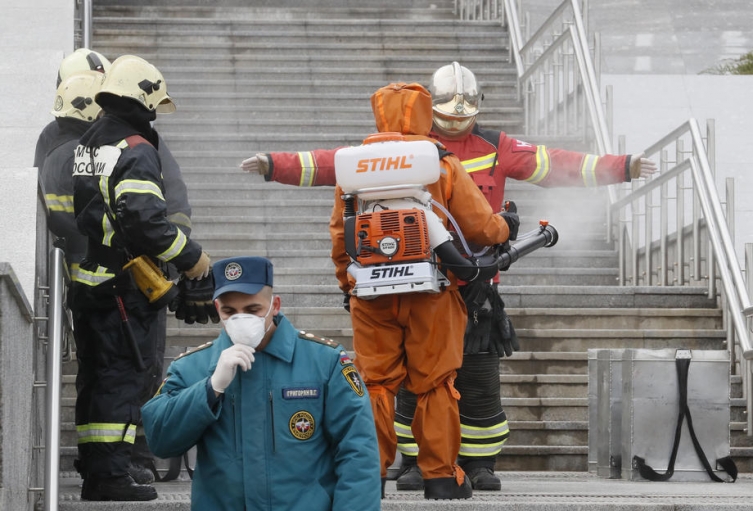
[345, 359]
[519, 146]
[300, 393]
[302, 425]
[354, 379]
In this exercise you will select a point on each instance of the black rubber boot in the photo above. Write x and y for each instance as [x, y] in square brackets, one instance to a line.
[122, 488]
[140, 473]
[447, 488]
[384, 482]
[484, 479]
[410, 475]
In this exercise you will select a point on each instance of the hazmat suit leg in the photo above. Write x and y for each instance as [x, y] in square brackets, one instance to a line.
[416, 338]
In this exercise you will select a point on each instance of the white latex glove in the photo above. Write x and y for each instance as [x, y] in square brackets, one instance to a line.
[237, 355]
[641, 167]
[258, 164]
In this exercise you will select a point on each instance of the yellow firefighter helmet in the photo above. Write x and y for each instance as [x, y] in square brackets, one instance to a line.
[455, 98]
[75, 96]
[82, 59]
[135, 78]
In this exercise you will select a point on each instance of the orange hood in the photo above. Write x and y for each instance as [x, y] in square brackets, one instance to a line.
[404, 108]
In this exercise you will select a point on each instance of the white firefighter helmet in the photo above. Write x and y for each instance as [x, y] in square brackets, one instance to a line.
[135, 78]
[455, 98]
[75, 96]
[82, 59]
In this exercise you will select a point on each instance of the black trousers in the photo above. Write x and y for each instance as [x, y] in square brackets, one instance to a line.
[110, 387]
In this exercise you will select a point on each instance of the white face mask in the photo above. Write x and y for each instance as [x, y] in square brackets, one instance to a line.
[247, 329]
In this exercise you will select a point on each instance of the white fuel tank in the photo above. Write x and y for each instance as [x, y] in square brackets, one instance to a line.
[387, 165]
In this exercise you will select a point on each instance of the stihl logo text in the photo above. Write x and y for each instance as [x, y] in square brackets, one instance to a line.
[391, 272]
[375, 164]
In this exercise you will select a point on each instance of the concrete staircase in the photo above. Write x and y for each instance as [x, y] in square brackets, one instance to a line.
[289, 78]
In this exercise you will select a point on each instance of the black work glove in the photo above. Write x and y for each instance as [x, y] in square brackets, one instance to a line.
[510, 214]
[513, 223]
[194, 302]
[346, 302]
[503, 337]
[478, 329]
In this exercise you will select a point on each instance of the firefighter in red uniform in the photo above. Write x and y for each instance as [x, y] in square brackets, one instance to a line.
[490, 157]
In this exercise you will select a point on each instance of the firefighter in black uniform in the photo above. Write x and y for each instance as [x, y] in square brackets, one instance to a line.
[120, 206]
[54, 159]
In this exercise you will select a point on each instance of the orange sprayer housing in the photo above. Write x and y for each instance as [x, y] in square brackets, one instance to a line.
[403, 233]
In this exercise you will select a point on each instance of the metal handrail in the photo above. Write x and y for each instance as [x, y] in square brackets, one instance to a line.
[720, 253]
[532, 60]
[56, 336]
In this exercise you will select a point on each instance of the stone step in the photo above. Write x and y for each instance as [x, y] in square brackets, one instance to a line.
[300, 85]
[638, 319]
[265, 29]
[271, 12]
[253, 36]
[251, 47]
[206, 60]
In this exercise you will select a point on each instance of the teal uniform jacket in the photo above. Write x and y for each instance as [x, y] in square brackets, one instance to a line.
[294, 432]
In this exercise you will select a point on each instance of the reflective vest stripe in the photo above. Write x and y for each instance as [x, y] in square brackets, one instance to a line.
[108, 232]
[98, 432]
[588, 169]
[542, 166]
[480, 163]
[308, 168]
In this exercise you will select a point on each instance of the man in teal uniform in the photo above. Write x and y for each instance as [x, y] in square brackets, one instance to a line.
[293, 429]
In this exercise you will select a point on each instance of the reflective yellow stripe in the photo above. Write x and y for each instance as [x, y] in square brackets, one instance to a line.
[59, 202]
[481, 449]
[180, 219]
[480, 433]
[98, 432]
[122, 144]
[402, 430]
[108, 232]
[137, 186]
[407, 449]
[308, 168]
[179, 243]
[480, 163]
[92, 278]
[542, 166]
[588, 169]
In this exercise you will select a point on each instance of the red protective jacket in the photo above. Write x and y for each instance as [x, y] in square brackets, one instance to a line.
[489, 156]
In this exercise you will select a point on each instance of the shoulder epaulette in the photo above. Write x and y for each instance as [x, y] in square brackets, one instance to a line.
[321, 340]
[197, 348]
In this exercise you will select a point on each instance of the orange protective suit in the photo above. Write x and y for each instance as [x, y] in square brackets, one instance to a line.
[416, 339]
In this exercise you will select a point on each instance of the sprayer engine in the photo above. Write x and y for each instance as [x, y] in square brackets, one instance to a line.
[389, 236]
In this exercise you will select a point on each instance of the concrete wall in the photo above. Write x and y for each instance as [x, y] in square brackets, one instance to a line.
[16, 379]
[34, 36]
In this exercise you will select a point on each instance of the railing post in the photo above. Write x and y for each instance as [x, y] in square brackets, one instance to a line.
[55, 334]
[86, 36]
